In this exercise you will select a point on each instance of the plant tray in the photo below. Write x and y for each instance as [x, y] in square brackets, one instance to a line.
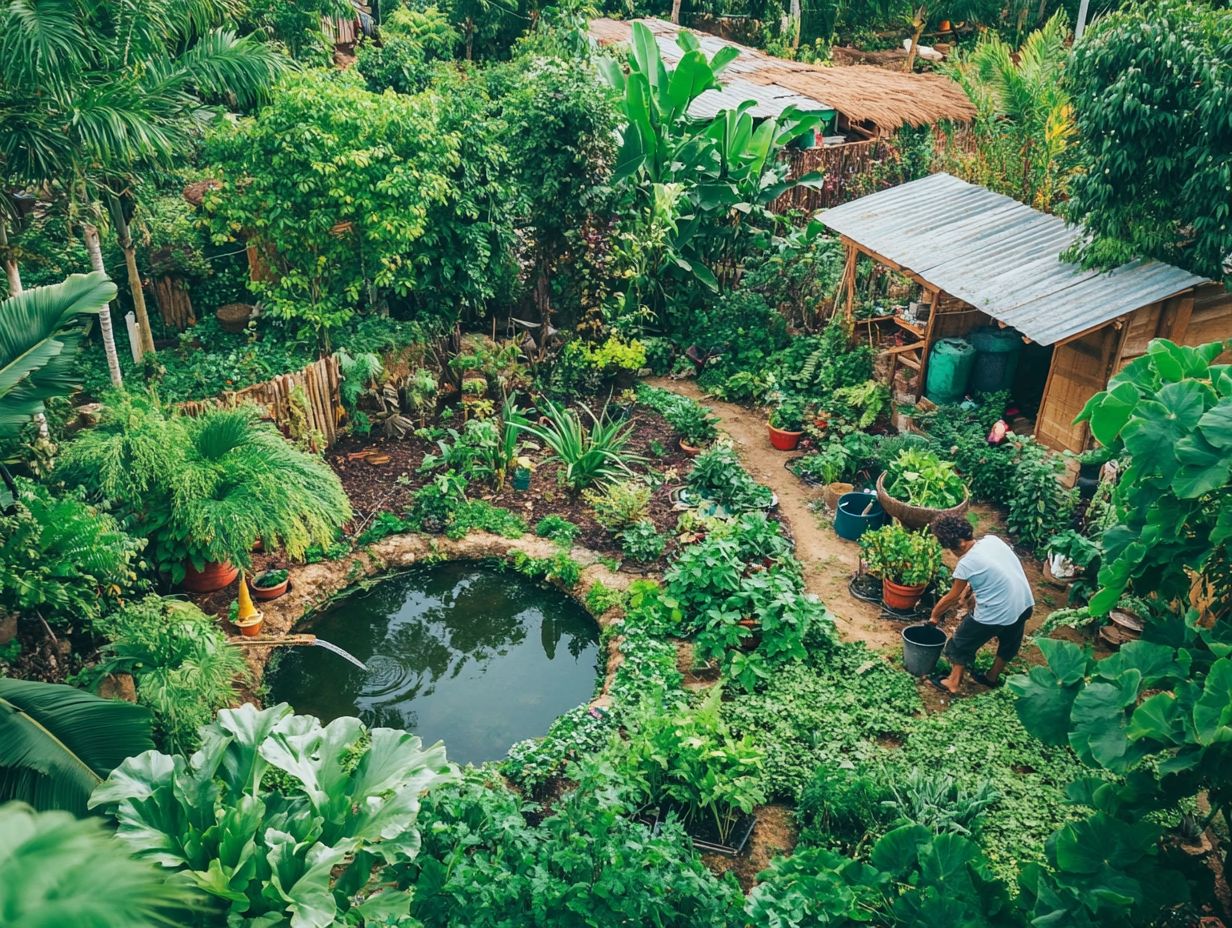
[703, 834]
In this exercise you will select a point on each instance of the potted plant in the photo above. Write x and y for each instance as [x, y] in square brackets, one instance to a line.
[919, 487]
[905, 561]
[697, 427]
[270, 584]
[787, 424]
[522, 473]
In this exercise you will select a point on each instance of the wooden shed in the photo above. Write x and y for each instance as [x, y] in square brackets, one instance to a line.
[982, 259]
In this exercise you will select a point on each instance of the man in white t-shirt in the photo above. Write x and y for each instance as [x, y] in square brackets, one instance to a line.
[990, 570]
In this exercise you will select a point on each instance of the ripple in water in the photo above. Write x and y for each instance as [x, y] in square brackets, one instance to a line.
[387, 677]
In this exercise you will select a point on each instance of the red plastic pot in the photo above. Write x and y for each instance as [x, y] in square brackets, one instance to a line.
[900, 597]
[782, 440]
[213, 577]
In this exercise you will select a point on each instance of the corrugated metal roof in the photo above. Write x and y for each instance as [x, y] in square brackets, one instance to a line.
[1002, 257]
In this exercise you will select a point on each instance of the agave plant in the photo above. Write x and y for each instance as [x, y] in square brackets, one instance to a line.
[589, 455]
[205, 488]
[57, 870]
[57, 743]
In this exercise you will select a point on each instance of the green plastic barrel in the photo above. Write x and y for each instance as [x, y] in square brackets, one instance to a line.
[949, 369]
[996, 358]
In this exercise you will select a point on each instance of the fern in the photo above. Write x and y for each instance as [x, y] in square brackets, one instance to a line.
[204, 488]
[184, 668]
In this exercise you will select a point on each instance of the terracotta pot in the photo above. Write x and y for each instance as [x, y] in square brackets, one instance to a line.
[269, 592]
[900, 597]
[251, 628]
[213, 577]
[782, 440]
[689, 449]
[833, 492]
[750, 642]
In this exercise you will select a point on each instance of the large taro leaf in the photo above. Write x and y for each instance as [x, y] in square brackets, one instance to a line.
[1160, 422]
[1212, 713]
[1046, 694]
[317, 756]
[1099, 724]
[1109, 411]
[150, 817]
[1158, 663]
[898, 851]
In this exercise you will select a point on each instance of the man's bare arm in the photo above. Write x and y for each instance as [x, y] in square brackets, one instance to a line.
[949, 600]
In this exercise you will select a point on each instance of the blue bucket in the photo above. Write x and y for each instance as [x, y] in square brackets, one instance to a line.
[850, 518]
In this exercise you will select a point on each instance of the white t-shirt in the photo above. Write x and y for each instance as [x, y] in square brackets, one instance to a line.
[1002, 592]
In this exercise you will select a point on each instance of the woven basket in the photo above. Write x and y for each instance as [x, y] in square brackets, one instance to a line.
[833, 491]
[914, 517]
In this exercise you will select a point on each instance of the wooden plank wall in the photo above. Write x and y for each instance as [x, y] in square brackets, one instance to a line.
[1080, 369]
[302, 404]
[841, 165]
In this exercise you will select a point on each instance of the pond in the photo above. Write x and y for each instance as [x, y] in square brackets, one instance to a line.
[459, 652]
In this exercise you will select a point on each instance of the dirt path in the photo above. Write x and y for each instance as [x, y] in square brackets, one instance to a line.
[828, 560]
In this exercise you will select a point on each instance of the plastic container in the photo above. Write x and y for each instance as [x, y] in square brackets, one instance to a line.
[949, 370]
[851, 520]
[996, 359]
[922, 646]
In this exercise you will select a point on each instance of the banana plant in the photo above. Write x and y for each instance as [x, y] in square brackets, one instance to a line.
[701, 187]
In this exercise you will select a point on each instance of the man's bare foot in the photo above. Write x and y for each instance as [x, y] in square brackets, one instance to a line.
[943, 683]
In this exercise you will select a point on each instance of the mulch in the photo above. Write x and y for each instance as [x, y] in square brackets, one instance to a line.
[390, 486]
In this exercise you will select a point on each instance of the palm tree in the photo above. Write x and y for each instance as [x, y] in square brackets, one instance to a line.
[1025, 115]
[57, 870]
[93, 94]
[57, 743]
[40, 334]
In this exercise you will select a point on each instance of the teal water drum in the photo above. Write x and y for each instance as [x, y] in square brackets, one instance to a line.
[996, 358]
[949, 370]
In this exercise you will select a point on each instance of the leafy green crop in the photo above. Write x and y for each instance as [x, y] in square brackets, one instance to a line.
[922, 478]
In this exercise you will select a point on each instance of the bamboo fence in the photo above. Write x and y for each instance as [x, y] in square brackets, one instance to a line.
[304, 404]
[840, 165]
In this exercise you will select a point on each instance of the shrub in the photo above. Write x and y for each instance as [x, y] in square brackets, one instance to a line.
[600, 598]
[842, 805]
[906, 558]
[559, 529]
[588, 455]
[1039, 507]
[184, 668]
[938, 803]
[619, 504]
[62, 558]
[206, 487]
[922, 478]
[718, 475]
[641, 541]
[533, 763]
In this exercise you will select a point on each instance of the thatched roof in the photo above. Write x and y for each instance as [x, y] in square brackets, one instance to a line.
[884, 99]
[881, 100]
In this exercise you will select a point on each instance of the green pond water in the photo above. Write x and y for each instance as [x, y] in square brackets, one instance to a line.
[466, 654]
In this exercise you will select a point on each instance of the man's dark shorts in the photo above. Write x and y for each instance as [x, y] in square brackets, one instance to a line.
[971, 635]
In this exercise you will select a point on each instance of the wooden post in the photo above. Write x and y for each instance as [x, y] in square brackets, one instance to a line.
[928, 337]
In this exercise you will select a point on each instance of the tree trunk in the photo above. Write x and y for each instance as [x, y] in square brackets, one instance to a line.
[797, 24]
[917, 29]
[90, 234]
[134, 276]
[11, 270]
[676, 11]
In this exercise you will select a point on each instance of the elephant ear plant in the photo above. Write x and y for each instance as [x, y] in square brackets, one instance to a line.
[280, 819]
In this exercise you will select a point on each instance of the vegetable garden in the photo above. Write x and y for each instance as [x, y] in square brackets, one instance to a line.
[587, 376]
